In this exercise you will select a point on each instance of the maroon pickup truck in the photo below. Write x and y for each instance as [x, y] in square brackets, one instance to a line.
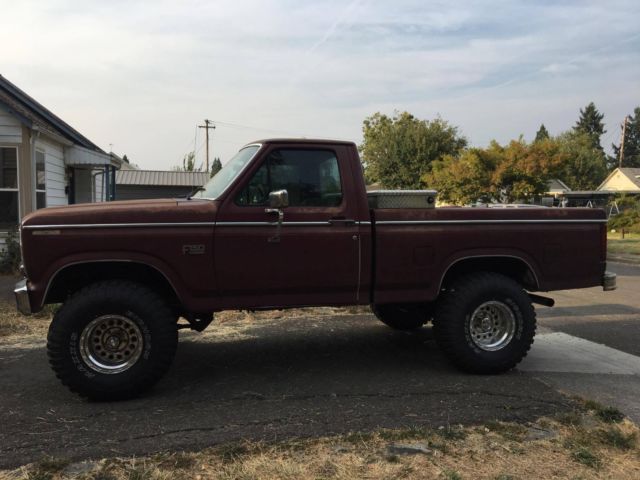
[288, 223]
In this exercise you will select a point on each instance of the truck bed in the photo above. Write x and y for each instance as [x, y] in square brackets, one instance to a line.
[416, 249]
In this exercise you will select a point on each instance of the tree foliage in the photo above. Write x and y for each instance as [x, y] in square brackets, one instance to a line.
[584, 166]
[542, 133]
[629, 218]
[590, 123]
[463, 179]
[216, 166]
[397, 151]
[631, 142]
[188, 164]
[518, 171]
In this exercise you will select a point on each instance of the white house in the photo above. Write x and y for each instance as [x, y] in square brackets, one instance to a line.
[44, 161]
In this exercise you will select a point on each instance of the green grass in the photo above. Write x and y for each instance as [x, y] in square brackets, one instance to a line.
[586, 457]
[629, 246]
[605, 413]
[616, 438]
[451, 475]
[47, 468]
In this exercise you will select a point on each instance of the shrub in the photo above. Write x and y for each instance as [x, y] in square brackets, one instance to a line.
[629, 218]
[10, 257]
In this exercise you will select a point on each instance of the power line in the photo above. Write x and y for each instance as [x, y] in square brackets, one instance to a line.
[276, 132]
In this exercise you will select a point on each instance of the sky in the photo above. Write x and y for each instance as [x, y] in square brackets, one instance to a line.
[139, 76]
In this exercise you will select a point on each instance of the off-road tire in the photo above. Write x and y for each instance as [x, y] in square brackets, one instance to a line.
[136, 303]
[402, 317]
[453, 316]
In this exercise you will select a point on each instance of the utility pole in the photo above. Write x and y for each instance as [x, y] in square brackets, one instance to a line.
[208, 124]
[624, 131]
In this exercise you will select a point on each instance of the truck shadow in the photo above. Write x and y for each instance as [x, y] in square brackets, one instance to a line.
[287, 353]
[284, 379]
[588, 310]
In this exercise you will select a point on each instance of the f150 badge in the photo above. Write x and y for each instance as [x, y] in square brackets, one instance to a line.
[193, 249]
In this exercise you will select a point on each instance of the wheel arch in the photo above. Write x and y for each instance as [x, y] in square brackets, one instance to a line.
[512, 266]
[71, 277]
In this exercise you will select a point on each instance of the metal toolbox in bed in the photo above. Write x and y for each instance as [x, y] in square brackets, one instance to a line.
[402, 198]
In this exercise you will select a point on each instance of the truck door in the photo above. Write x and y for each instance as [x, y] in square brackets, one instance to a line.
[312, 257]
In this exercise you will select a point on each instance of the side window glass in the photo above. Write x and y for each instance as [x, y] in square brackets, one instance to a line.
[311, 177]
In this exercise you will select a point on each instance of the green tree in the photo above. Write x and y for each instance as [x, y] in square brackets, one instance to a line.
[216, 166]
[514, 172]
[584, 166]
[463, 179]
[397, 151]
[188, 164]
[524, 169]
[125, 158]
[542, 133]
[590, 122]
[631, 142]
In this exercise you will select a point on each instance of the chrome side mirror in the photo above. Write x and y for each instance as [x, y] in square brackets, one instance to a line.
[279, 199]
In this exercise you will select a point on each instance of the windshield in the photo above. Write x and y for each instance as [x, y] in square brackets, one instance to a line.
[221, 180]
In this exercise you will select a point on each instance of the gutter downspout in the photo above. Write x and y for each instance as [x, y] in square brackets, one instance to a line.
[106, 189]
[35, 134]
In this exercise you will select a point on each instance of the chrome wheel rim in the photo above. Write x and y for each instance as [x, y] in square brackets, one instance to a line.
[111, 344]
[492, 326]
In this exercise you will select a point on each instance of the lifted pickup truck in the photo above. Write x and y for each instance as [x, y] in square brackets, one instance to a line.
[288, 223]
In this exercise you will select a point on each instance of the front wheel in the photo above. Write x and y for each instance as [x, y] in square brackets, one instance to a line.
[112, 340]
[485, 323]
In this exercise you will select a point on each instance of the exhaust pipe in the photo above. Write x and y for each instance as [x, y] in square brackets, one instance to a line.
[540, 300]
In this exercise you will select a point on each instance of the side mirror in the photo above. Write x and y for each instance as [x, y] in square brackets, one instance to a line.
[279, 199]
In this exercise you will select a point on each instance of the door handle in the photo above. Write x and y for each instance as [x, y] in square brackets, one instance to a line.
[342, 221]
[275, 238]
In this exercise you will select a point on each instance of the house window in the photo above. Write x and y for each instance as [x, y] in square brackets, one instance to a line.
[41, 186]
[8, 186]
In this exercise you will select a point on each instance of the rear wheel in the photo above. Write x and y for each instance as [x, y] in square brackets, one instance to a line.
[402, 317]
[485, 323]
[112, 340]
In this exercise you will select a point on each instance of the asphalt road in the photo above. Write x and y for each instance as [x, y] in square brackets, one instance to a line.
[317, 376]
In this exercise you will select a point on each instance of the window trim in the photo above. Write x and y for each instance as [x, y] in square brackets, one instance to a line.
[17, 189]
[309, 148]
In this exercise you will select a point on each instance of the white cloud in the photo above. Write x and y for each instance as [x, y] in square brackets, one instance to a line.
[142, 74]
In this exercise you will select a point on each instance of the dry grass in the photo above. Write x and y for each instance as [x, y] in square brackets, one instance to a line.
[248, 316]
[585, 448]
[13, 323]
[629, 246]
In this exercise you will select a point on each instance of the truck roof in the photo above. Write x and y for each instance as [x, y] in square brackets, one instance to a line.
[311, 141]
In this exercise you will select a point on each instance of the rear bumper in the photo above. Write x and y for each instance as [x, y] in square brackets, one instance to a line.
[609, 281]
[21, 292]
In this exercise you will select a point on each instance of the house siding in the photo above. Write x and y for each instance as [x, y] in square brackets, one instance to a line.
[54, 172]
[10, 128]
[619, 182]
